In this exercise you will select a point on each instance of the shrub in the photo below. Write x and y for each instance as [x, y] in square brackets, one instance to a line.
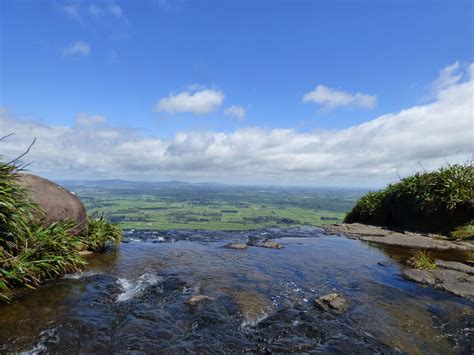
[435, 201]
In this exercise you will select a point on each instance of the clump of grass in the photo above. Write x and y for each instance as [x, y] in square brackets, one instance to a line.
[101, 234]
[464, 232]
[30, 253]
[435, 201]
[422, 260]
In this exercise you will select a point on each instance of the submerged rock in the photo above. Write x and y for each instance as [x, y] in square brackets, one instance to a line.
[332, 302]
[198, 298]
[237, 246]
[58, 203]
[272, 245]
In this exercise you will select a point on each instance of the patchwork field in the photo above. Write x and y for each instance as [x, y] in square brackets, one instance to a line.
[211, 207]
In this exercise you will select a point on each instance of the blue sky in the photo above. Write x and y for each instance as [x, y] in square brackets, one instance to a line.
[117, 59]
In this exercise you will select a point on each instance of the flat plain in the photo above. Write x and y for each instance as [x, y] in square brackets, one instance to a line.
[176, 205]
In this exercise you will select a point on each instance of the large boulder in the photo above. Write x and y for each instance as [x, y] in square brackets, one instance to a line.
[58, 203]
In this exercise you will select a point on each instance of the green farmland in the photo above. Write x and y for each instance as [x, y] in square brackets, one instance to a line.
[190, 206]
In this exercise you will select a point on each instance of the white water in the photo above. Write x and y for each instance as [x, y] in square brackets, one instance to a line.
[133, 288]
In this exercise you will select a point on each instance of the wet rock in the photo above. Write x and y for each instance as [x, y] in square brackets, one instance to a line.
[237, 246]
[198, 298]
[407, 239]
[332, 302]
[454, 265]
[455, 282]
[272, 245]
[253, 241]
[58, 203]
[253, 306]
[420, 276]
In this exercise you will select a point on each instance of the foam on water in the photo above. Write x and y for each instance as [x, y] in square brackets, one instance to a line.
[80, 275]
[133, 288]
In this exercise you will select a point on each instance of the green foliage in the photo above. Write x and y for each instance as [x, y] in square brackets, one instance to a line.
[464, 232]
[435, 201]
[30, 253]
[422, 260]
[101, 234]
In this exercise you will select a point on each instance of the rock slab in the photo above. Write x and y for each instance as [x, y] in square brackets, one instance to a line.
[455, 282]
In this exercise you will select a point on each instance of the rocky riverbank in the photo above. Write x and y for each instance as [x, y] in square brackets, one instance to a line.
[399, 238]
[452, 276]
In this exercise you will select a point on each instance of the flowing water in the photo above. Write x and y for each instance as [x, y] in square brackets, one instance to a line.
[262, 300]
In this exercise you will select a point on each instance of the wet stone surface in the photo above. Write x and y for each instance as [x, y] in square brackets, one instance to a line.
[137, 299]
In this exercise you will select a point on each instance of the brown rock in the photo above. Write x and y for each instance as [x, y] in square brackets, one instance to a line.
[333, 302]
[58, 203]
[237, 246]
[272, 245]
[197, 298]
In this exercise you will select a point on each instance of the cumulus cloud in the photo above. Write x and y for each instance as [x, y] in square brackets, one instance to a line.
[368, 154]
[236, 111]
[198, 102]
[331, 98]
[77, 48]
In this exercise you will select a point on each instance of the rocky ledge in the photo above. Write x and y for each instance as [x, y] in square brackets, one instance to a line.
[451, 276]
[406, 239]
[456, 282]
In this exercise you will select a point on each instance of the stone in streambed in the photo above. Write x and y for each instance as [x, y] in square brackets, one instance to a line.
[198, 298]
[455, 282]
[272, 245]
[237, 246]
[332, 302]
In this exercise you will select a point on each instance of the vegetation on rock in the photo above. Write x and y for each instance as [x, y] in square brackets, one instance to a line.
[422, 260]
[437, 201]
[29, 252]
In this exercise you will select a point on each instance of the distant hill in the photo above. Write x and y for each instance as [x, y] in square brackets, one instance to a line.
[124, 184]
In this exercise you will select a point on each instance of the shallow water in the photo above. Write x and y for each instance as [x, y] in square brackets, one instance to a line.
[132, 299]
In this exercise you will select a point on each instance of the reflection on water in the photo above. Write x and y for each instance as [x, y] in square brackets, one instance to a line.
[133, 299]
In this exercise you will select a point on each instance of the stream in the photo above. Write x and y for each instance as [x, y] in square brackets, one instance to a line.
[133, 299]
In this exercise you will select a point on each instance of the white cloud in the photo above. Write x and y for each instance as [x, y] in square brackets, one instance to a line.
[72, 11]
[448, 76]
[80, 11]
[85, 119]
[77, 48]
[114, 9]
[374, 152]
[331, 98]
[198, 102]
[236, 111]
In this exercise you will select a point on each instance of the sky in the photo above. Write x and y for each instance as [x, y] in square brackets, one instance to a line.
[314, 93]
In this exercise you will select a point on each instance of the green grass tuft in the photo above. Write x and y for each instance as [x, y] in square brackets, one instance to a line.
[102, 234]
[464, 232]
[422, 260]
[30, 253]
